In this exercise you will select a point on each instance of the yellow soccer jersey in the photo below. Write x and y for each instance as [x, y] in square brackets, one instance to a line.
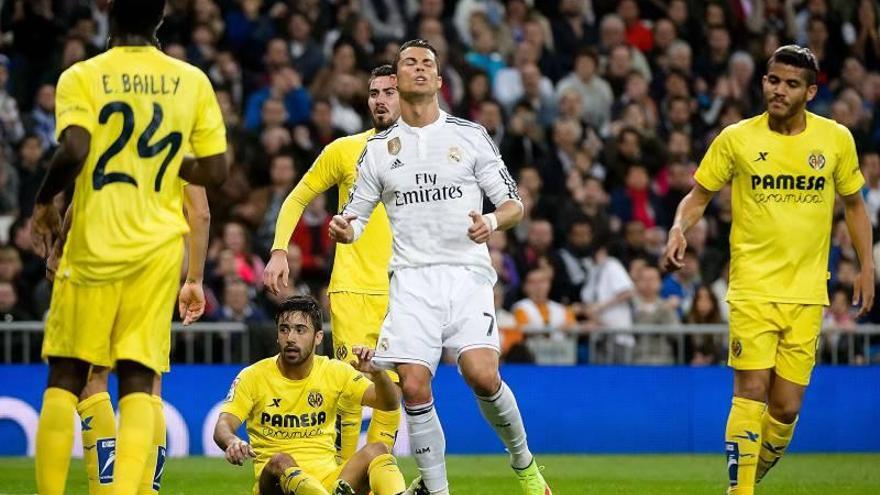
[783, 196]
[297, 417]
[362, 266]
[142, 109]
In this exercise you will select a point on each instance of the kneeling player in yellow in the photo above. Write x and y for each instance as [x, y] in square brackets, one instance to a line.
[289, 402]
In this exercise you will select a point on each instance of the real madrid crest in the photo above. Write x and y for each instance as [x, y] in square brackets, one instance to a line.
[384, 344]
[816, 160]
[454, 154]
[394, 146]
[315, 398]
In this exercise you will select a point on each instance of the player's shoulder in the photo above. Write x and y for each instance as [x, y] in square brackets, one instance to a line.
[184, 68]
[390, 132]
[826, 126]
[260, 368]
[352, 141]
[747, 126]
[464, 130]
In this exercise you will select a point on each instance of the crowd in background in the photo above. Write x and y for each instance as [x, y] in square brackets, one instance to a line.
[601, 109]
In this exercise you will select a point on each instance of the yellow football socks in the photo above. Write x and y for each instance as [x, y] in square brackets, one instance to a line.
[743, 442]
[349, 430]
[383, 427]
[54, 440]
[295, 481]
[156, 460]
[385, 476]
[98, 433]
[775, 439]
[134, 442]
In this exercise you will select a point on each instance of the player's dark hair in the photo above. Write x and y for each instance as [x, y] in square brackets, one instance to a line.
[797, 56]
[306, 305]
[381, 71]
[136, 16]
[416, 43]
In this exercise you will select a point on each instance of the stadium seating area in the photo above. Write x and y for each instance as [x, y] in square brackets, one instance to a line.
[601, 109]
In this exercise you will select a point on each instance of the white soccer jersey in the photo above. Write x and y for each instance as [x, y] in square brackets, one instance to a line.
[429, 179]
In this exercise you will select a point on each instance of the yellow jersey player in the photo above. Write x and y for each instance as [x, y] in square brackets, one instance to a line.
[122, 119]
[785, 167]
[359, 284]
[289, 403]
[94, 408]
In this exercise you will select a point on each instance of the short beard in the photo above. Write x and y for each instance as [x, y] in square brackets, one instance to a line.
[380, 126]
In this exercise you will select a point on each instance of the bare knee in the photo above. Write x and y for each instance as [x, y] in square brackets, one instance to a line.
[97, 382]
[375, 449]
[279, 463]
[68, 374]
[484, 382]
[752, 386]
[416, 388]
[784, 411]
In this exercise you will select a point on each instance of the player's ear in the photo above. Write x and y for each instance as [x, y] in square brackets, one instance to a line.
[319, 337]
[812, 89]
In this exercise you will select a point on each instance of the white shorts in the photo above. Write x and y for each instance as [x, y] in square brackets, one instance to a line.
[435, 307]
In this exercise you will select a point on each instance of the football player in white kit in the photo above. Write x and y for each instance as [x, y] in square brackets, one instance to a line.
[431, 171]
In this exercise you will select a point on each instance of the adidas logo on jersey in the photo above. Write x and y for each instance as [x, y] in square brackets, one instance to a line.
[397, 164]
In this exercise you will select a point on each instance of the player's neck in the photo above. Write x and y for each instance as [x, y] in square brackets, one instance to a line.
[791, 126]
[295, 372]
[420, 113]
[128, 39]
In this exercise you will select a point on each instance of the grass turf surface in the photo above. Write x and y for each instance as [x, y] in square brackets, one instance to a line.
[837, 474]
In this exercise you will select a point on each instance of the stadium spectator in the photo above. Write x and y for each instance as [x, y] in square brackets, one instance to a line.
[681, 286]
[238, 306]
[605, 301]
[651, 309]
[595, 91]
[703, 349]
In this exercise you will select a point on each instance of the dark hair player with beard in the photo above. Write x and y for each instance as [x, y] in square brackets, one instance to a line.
[785, 166]
[289, 402]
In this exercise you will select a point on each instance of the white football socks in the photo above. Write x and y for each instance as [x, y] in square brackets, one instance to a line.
[501, 411]
[428, 445]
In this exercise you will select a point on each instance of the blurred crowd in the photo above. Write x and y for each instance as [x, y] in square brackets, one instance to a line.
[601, 109]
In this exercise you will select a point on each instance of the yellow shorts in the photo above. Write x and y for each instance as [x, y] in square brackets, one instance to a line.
[783, 336]
[326, 472]
[356, 320]
[126, 319]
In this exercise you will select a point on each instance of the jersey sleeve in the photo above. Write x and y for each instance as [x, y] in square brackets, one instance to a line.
[240, 399]
[716, 169]
[73, 102]
[848, 177]
[209, 132]
[323, 174]
[354, 385]
[492, 174]
[365, 194]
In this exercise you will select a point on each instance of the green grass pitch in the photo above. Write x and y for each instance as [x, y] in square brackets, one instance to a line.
[813, 474]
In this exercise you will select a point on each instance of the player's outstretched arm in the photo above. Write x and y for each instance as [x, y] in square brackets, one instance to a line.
[68, 160]
[236, 449]
[191, 300]
[688, 213]
[277, 271]
[382, 394]
[859, 226]
[505, 216]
